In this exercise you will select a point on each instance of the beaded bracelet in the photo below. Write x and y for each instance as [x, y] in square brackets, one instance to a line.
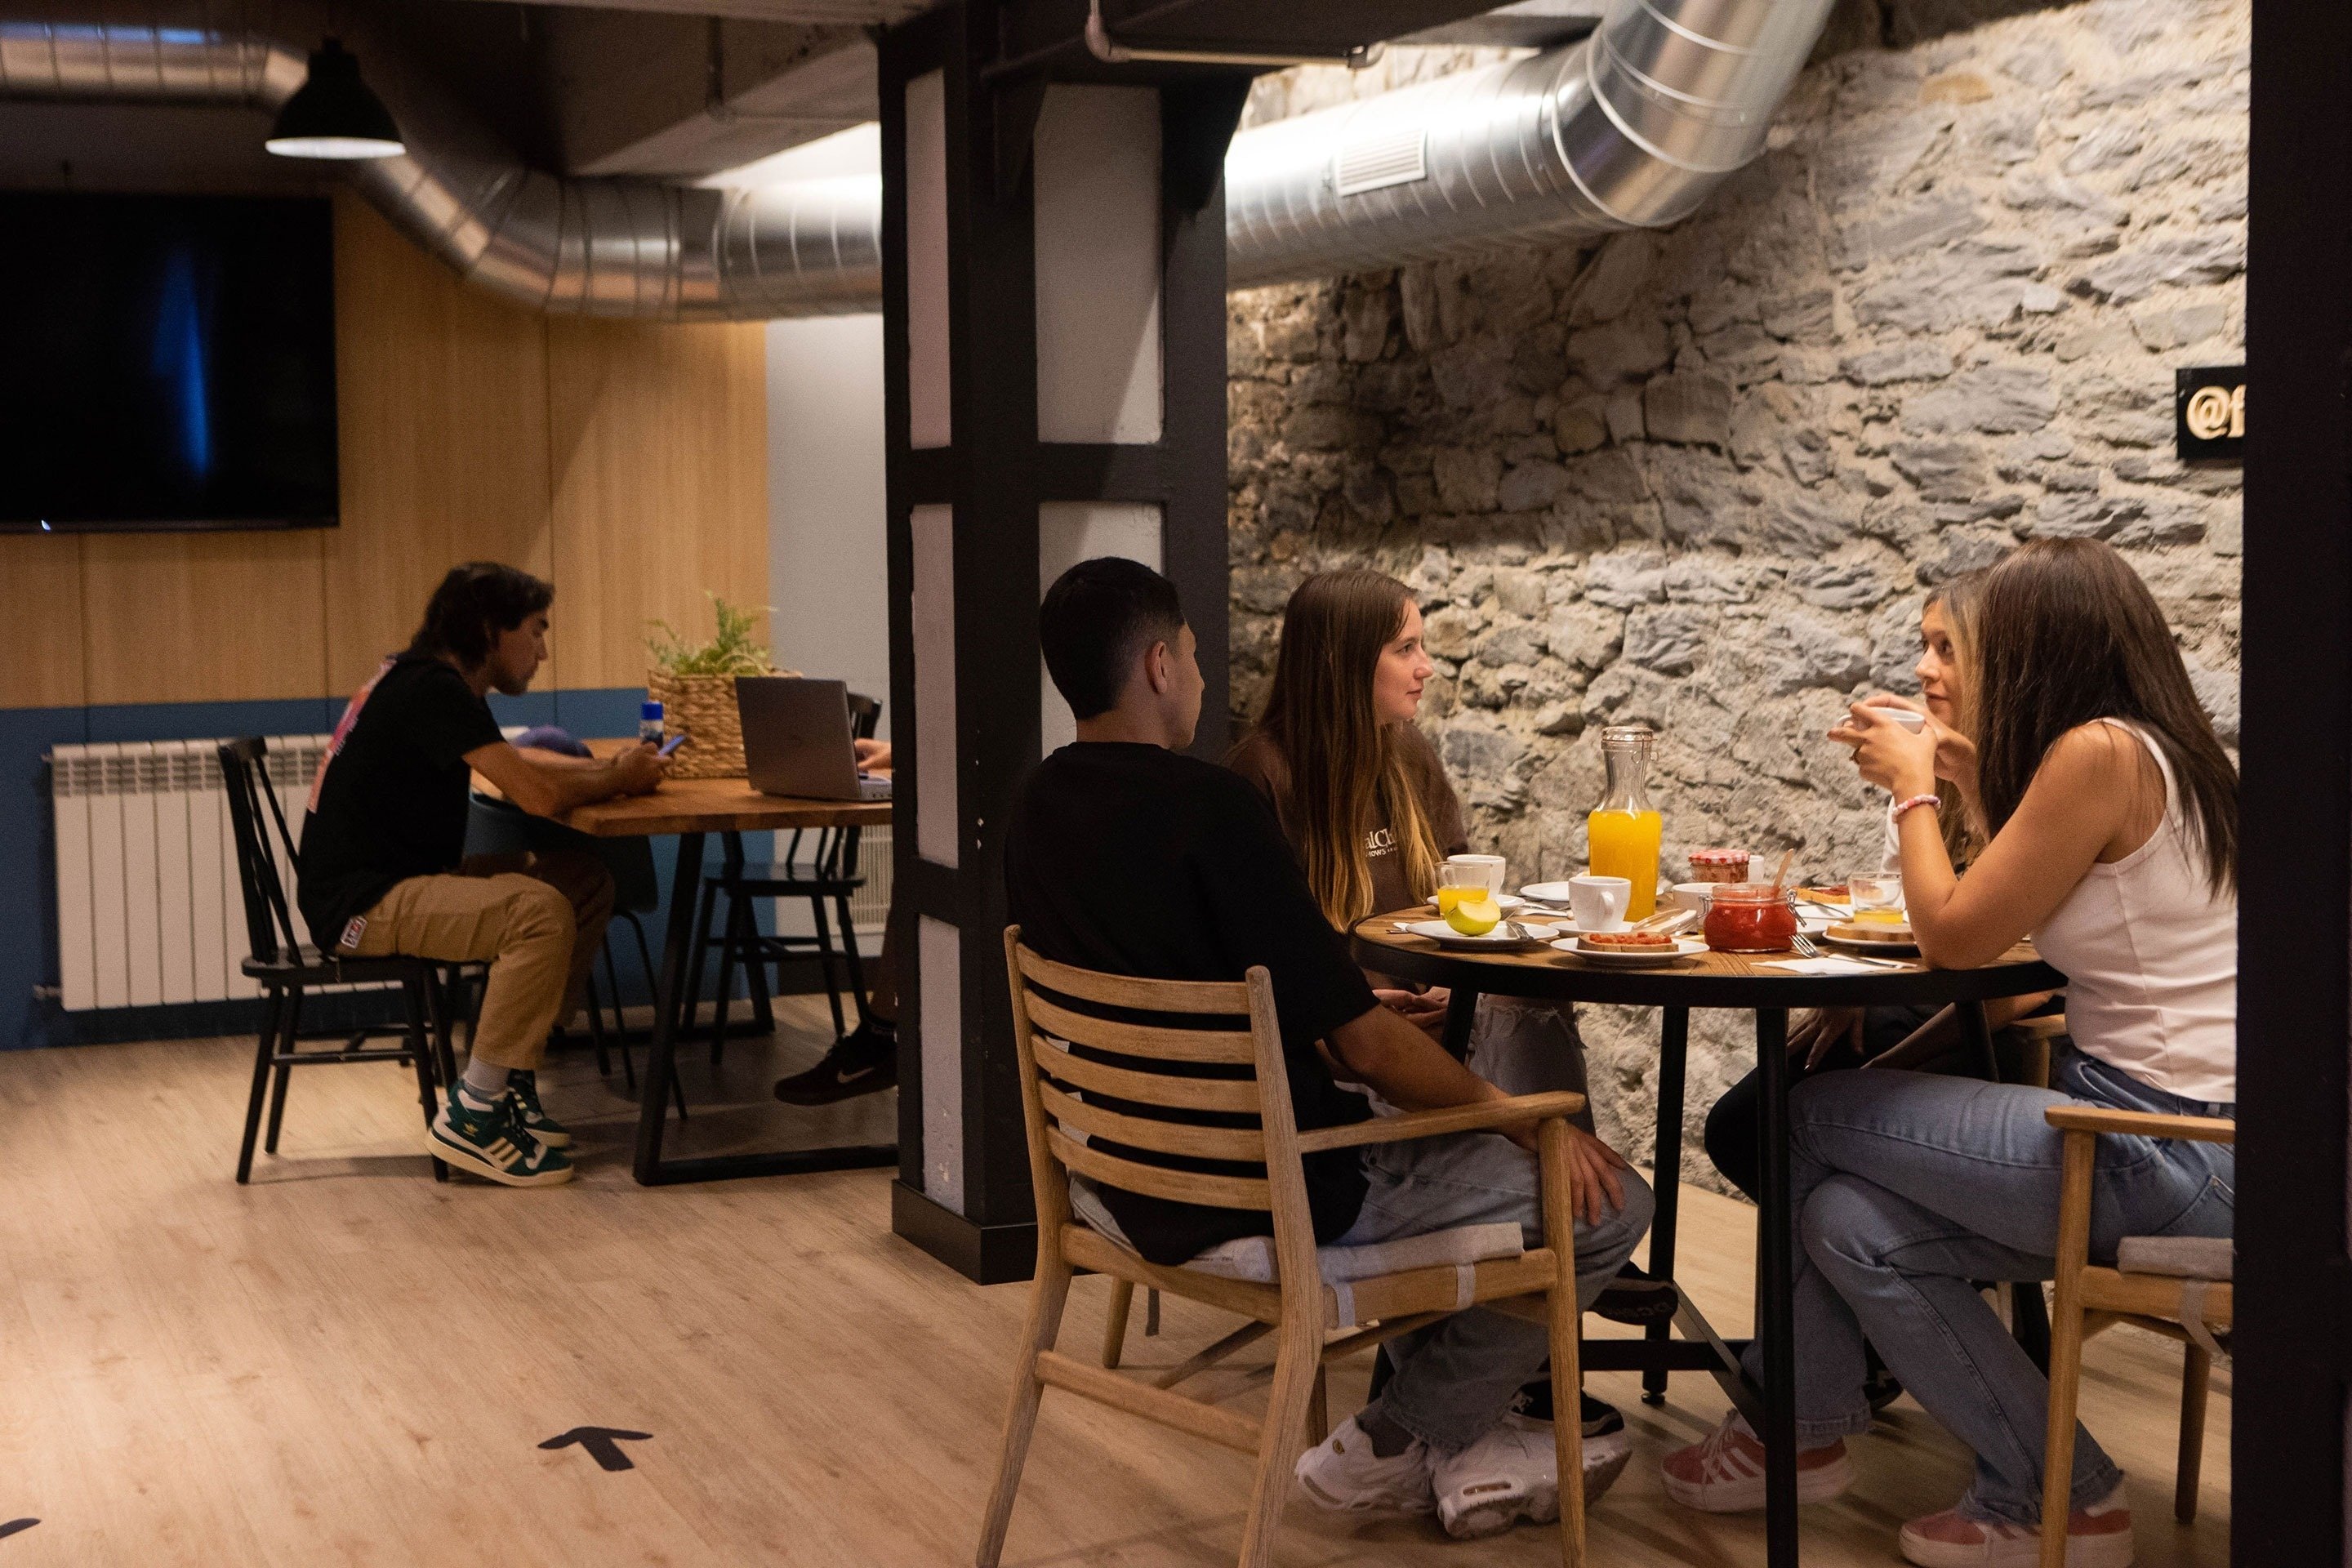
[1902, 806]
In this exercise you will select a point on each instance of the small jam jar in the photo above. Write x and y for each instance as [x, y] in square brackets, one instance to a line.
[1718, 865]
[1750, 917]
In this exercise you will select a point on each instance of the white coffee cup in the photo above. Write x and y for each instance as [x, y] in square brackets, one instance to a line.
[1914, 722]
[1600, 903]
[1693, 896]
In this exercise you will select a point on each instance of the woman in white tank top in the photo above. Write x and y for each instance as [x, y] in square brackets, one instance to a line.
[2109, 815]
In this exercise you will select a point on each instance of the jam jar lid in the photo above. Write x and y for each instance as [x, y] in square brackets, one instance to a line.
[1748, 893]
[1718, 856]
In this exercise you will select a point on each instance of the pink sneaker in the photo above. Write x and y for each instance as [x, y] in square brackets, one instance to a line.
[2096, 1537]
[1724, 1473]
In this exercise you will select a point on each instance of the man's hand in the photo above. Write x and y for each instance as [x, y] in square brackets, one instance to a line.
[639, 770]
[1595, 1165]
[1823, 1030]
[1425, 1010]
[873, 756]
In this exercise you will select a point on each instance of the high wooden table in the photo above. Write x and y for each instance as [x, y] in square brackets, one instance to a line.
[1710, 980]
[691, 808]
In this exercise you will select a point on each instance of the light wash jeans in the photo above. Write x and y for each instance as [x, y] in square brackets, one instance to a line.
[1909, 1186]
[1457, 1378]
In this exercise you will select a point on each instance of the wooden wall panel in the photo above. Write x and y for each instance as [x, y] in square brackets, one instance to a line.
[442, 400]
[660, 484]
[40, 622]
[205, 617]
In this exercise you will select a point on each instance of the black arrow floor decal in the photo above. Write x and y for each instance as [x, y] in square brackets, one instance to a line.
[603, 1443]
[16, 1525]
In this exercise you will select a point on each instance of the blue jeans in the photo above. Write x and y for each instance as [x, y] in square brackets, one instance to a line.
[1457, 1378]
[1906, 1188]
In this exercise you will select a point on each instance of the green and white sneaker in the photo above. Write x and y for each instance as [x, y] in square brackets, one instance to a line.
[492, 1145]
[522, 1093]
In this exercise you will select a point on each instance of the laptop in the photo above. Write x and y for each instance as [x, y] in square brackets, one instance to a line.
[796, 739]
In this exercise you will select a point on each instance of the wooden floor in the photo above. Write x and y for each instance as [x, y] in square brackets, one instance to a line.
[345, 1362]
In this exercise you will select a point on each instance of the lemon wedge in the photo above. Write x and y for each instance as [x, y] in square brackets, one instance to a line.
[1475, 917]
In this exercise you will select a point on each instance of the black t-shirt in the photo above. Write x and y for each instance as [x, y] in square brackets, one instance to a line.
[390, 800]
[1132, 859]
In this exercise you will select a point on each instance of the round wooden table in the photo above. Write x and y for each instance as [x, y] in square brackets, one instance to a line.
[1747, 982]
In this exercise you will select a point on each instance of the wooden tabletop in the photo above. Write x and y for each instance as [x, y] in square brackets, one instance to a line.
[1707, 979]
[712, 805]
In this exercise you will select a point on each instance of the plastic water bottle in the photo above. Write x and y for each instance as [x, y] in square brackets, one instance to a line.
[649, 721]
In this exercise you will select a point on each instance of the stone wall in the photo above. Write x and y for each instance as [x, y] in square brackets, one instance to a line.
[1700, 479]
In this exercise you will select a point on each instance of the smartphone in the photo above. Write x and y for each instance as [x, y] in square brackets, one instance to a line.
[672, 744]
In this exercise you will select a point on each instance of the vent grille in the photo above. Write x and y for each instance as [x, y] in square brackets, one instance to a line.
[1393, 158]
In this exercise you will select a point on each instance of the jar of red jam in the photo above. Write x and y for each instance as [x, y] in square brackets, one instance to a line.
[1718, 865]
[1750, 917]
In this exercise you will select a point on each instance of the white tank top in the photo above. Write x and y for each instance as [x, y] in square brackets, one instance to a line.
[2150, 956]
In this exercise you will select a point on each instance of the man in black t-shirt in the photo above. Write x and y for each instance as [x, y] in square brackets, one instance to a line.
[384, 868]
[1125, 856]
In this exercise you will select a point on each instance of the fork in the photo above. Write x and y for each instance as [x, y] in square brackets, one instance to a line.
[1809, 949]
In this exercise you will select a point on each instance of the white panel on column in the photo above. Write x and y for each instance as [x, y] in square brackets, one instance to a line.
[1070, 531]
[938, 811]
[927, 261]
[941, 1045]
[1097, 228]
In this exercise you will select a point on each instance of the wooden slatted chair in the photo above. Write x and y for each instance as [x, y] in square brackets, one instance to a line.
[2176, 1287]
[1314, 1322]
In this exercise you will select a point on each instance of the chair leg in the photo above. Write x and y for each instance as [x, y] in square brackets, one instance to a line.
[264, 1049]
[290, 1022]
[1296, 1364]
[1318, 1409]
[420, 1046]
[1122, 1297]
[2066, 1346]
[444, 1009]
[2196, 1372]
[596, 1026]
[729, 951]
[826, 960]
[856, 960]
[620, 1020]
[1047, 1296]
[697, 954]
[755, 972]
[1566, 1323]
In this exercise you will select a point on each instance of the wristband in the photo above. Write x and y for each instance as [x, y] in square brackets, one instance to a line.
[1902, 806]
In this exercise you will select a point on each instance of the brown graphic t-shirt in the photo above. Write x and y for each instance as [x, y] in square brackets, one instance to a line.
[1258, 760]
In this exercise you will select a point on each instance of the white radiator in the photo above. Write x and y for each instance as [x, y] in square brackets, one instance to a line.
[149, 906]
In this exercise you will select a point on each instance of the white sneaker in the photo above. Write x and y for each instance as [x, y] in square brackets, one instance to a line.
[1342, 1473]
[1510, 1474]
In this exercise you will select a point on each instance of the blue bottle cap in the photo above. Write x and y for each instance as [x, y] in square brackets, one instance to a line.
[649, 709]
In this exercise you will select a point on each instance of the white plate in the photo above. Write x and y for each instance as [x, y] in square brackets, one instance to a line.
[1509, 902]
[1444, 935]
[1683, 947]
[1902, 949]
[1547, 892]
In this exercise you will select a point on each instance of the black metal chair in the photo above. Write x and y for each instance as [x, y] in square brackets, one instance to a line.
[819, 865]
[285, 966]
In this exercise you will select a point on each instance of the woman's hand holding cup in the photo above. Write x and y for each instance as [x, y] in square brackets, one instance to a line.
[1894, 748]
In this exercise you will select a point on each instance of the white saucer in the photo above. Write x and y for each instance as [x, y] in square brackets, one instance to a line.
[1547, 892]
[1683, 947]
[1499, 938]
[1901, 949]
[1509, 901]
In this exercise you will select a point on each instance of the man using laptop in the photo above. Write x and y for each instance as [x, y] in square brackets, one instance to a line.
[1125, 856]
[384, 871]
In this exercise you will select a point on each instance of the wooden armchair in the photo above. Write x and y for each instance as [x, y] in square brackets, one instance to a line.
[1313, 1322]
[2185, 1296]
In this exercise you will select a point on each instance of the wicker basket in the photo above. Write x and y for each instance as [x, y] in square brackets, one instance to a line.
[702, 706]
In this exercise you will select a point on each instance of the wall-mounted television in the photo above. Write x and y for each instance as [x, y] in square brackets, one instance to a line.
[165, 363]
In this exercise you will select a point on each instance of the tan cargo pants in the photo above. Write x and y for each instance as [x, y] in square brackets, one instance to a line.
[540, 920]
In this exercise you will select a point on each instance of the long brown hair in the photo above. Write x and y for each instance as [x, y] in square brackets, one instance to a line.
[1347, 769]
[2069, 634]
[1958, 599]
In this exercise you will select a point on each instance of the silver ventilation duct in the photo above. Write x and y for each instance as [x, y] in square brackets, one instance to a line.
[1630, 128]
[586, 247]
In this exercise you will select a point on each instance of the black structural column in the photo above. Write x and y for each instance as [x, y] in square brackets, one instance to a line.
[1054, 283]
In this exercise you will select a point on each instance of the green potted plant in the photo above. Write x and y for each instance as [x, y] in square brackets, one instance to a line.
[695, 684]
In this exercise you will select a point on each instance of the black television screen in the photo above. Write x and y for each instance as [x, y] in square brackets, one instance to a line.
[166, 363]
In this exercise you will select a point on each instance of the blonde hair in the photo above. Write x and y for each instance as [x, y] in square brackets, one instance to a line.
[1959, 599]
[1347, 770]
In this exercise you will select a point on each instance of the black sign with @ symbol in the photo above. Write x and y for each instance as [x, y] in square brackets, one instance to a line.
[2209, 413]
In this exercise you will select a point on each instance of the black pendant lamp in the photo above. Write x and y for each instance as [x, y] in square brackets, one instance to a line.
[334, 115]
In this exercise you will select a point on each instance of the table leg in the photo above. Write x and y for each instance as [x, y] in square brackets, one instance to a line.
[653, 1089]
[1459, 1013]
[1775, 1304]
[1666, 1165]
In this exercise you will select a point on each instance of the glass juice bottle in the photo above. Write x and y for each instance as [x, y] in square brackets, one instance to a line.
[1624, 828]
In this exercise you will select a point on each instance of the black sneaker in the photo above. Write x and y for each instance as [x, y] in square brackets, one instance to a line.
[863, 1062]
[1637, 1297]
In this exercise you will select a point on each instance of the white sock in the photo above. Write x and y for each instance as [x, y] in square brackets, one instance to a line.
[484, 1085]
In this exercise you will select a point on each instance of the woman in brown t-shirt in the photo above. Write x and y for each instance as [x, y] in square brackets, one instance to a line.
[1362, 797]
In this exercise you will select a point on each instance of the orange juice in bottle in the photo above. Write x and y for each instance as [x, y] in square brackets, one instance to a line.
[1624, 829]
